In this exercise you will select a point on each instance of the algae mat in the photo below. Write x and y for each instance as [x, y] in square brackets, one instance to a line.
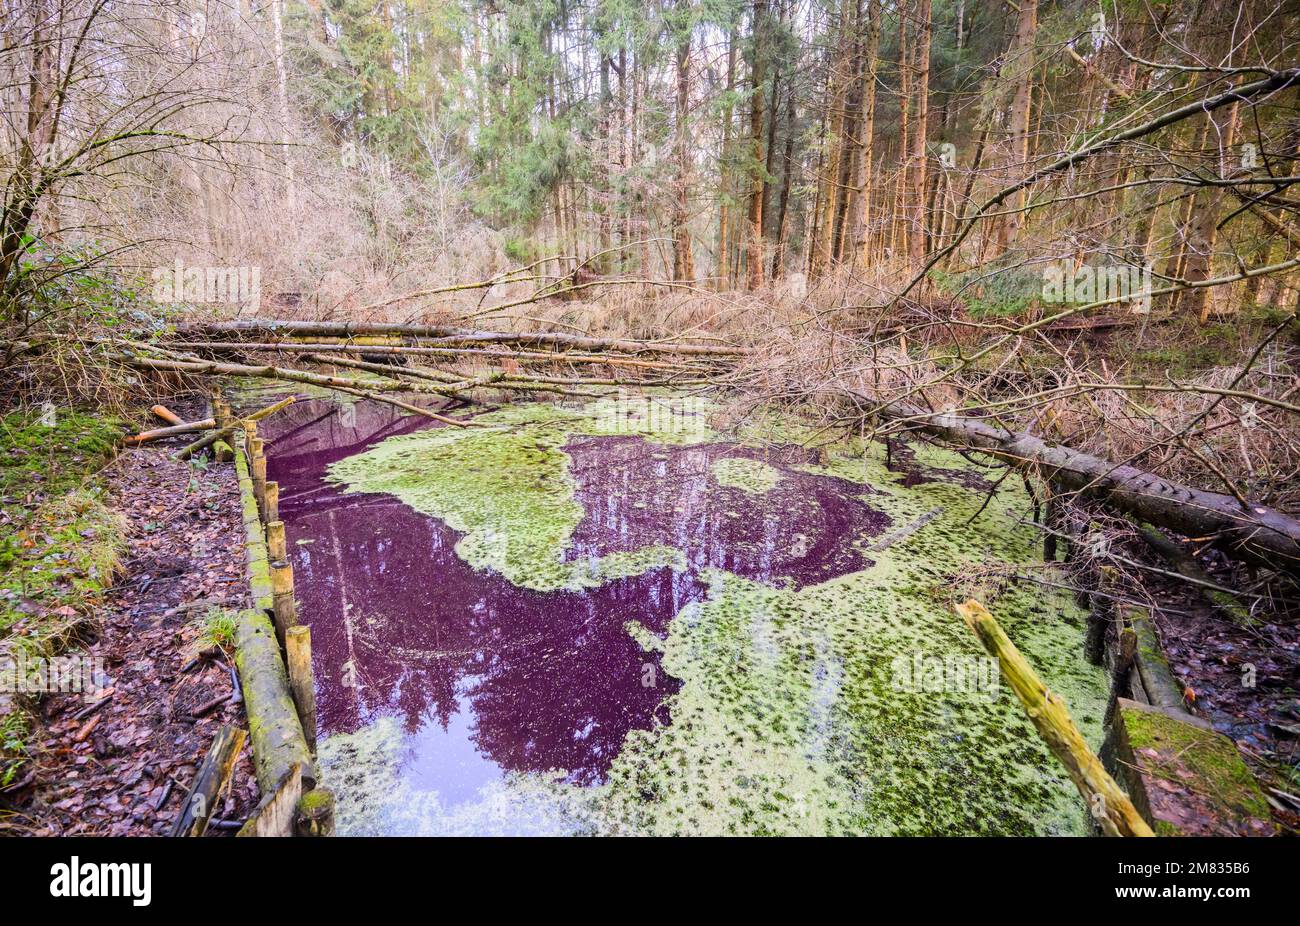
[612, 619]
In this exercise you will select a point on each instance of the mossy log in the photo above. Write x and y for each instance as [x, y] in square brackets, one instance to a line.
[223, 433]
[273, 724]
[314, 814]
[1214, 792]
[1109, 804]
[1257, 533]
[1158, 682]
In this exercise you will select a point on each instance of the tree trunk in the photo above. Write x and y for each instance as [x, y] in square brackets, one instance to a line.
[683, 261]
[1018, 124]
[916, 167]
[758, 77]
[1257, 534]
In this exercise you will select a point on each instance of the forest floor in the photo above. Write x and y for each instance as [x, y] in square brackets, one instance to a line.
[1244, 680]
[164, 637]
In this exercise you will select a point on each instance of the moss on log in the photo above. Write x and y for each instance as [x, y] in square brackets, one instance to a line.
[1109, 804]
[273, 724]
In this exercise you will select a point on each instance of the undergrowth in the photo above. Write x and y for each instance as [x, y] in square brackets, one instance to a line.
[59, 545]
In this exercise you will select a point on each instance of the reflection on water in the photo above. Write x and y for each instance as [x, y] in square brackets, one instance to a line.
[484, 678]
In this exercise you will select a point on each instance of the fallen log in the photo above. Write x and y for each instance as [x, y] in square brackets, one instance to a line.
[1186, 566]
[454, 388]
[159, 433]
[1109, 804]
[204, 442]
[1258, 534]
[166, 414]
[277, 737]
[211, 777]
[450, 335]
[335, 383]
[524, 356]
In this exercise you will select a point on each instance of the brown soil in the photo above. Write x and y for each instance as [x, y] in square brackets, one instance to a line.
[128, 775]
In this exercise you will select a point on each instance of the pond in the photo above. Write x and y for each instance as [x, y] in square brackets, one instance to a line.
[612, 618]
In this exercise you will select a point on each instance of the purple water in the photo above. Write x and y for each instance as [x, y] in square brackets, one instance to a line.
[484, 676]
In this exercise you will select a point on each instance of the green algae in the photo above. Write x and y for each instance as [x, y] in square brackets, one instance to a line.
[508, 490]
[790, 718]
[753, 476]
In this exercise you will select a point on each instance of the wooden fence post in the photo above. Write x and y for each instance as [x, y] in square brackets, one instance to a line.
[302, 682]
[286, 614]
[272, 507]
[275, 542]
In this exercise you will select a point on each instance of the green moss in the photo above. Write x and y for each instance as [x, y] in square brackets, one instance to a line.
[789, 718]
[1215, 766]
[753, 476]
[37, 458]
[315, 800]
[59, 551]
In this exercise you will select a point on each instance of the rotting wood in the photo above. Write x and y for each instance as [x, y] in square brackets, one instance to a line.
[277, 736]
[1258, 534]
[145, 437]
[1125, 653]
[274, 816]
[314, 814]
[209, 781]
[1101, 612]
[905, 532]
[1158, 682]
[1109, 805]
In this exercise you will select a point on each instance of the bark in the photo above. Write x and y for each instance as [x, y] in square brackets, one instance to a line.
[1050, 715]
[683, 260]
[277, 738]
[758, 78]
[1258, 534]
[860, 218]
[1018, 124]
[445, 335]
[916, 168]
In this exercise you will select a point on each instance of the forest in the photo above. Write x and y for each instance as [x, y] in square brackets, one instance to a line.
[677, 417]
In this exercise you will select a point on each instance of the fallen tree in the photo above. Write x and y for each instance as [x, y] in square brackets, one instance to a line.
[1256, 533]
[446, 335]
